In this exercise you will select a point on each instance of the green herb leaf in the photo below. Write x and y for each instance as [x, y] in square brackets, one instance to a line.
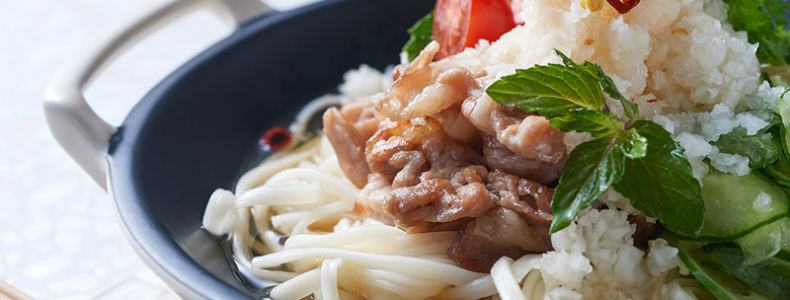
[764, 22]
[761, 148]
[421, 35]
[551, 90]
[598, 123]
[631, 109]
[784, 113]
[591, 168]
[661, 184]
[634, 145]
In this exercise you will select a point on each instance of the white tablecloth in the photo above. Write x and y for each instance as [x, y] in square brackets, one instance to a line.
[59, 237]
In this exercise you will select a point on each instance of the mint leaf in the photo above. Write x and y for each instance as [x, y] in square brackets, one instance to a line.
[551, 90]
[421, 35]
[598, 123]
[761, 148]
[784, 113]
[591, 168]
[764, 22]
[634, 144]
[661, 184]
[631, 109]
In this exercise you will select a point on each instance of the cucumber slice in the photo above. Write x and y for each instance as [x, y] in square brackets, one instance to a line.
[778, 172]
[770, 277]
[732, 209]
[764, 242]
[718, 283]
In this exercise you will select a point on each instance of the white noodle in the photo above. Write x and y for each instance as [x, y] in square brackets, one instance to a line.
[219, 218]
[505, 281]
[316, 106]
[321, 212]
[259, 174]
[408, 265]
[329, 279]
[479, 288]
[284, 177]
[334, 254]
[280, 195]
[298, 287]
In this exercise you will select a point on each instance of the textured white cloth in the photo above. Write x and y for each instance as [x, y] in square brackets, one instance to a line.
[59, 237]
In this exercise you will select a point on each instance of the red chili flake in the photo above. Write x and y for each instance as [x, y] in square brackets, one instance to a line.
[623, 7]
[652, 100]
[588, 42]
[276, 138]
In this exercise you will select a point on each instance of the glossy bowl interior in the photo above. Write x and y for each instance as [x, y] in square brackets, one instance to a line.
[198, 129]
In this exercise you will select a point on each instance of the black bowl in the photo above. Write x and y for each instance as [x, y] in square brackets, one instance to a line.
[199, 128]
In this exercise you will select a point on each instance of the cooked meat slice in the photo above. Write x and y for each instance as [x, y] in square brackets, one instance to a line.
[497, 156]
[500, 232]
[421, 89]
[443, 154]
[645, 230]
[435, 201]
[369, 202]
[529, 199]
[428, 176]
[454, 225]
[457, 126]
[361, 113]
[411, 165]
[349, 145]
[528, 135]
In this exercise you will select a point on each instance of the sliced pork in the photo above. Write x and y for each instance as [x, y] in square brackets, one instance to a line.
[422, 88]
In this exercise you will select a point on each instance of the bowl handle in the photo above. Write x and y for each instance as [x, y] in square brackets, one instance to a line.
[78, 129]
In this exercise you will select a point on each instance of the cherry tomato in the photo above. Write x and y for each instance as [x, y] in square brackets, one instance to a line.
[459, 24]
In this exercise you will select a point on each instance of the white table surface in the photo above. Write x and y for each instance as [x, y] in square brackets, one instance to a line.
[59, 237]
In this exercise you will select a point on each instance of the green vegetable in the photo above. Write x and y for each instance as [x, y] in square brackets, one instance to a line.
[421, 35]
[661, 184]
[770, 277]
[764, 242]
[730, 211]
[761, 149]
[778, 172]
[591, 168]
[784, 113]
[552, 90]
[571, 97]
[631, 109]
[716, 281]
[764, 21]
[598, 123]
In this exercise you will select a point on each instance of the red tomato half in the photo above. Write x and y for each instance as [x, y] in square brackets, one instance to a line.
[459, 24]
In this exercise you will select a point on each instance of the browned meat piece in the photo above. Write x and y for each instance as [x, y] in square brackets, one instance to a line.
[457, 126]
[529, 199]
[435, 201]
[349, 144]
[528, 135]
[645, 230]
[449, 226]
[362, 113]
[422, 88]
[422, 176]
[443, 154]
[497, 156]
[500, 232]
[370, 199]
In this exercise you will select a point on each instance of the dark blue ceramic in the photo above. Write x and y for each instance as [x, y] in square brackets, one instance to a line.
[199, 128]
